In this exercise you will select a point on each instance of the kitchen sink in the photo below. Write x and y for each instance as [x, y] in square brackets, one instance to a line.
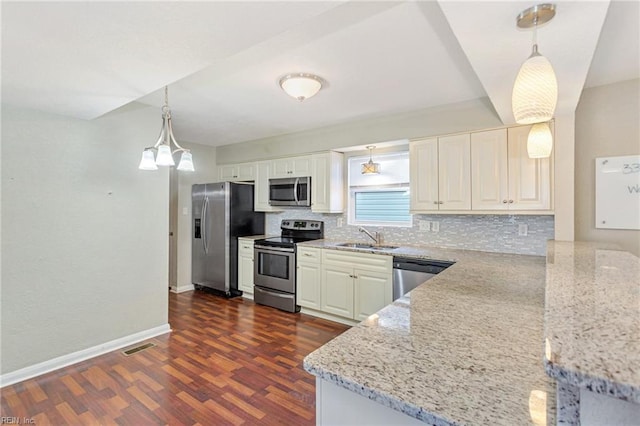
[366, 246]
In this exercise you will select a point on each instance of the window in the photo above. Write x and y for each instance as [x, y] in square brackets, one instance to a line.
[382, 199]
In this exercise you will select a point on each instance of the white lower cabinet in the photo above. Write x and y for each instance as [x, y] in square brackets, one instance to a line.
[308, 277]
[336, 291]
[245, 265]
[345, 284]
[372, 292]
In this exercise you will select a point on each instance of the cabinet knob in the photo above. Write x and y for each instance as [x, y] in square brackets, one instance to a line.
[440, 202]
[510, 201]
[351, 276]
[504, 201]
[435, 202]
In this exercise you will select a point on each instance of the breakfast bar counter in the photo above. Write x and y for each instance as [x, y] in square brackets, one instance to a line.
[465, 348]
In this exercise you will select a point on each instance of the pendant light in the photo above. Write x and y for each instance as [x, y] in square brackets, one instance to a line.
[164, 156]
[535, 92]
[370, 168]
[300, 85]
[540, 141]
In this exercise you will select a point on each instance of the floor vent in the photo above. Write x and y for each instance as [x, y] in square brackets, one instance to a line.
[138, 349]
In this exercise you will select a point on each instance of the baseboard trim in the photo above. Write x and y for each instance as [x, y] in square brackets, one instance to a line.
[183, 288]
[82, 355]
[330, 317]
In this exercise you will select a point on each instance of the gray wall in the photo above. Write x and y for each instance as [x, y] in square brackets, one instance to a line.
[607, 124]
[84, 233]
[465, 116]
[494, 233]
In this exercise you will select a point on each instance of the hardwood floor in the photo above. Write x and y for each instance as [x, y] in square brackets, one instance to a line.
[225, 362]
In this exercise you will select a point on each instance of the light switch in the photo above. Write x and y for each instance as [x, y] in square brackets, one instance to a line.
[185, 211]
[435, 226]
[424, 225]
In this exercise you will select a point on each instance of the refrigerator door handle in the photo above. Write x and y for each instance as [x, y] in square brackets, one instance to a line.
[295, 190]
[205, 204]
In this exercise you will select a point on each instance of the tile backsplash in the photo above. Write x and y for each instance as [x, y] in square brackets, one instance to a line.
[495, 233]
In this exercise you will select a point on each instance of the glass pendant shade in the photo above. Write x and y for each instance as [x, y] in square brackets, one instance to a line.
[540, 141]
[147, 162]
[186, 162]
[370, 168]
[164, 157]
[301, 86]
[535, 92]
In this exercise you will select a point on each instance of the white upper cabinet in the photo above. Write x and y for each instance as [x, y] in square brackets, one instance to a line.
[440, 175]
[489, 171]
[454, 172]
[529, 178]
[423, 174]
[291, 167]
[261, 188]
[327, 183]
[244, 171]
[503, 175]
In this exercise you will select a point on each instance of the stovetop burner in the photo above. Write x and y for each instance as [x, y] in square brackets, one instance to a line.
[295, 231]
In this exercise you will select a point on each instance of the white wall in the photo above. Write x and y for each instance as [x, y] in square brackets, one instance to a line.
[460, 117]
[607, 125]
[204, 161]
[84, 233]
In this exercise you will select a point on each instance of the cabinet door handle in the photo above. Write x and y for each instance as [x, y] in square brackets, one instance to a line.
[510, 201]
[435, 202]
[306, 254]
[504, 201]
[440, 202]
[247, 247]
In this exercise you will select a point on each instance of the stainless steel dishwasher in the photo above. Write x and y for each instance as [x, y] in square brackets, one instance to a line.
[409, 273]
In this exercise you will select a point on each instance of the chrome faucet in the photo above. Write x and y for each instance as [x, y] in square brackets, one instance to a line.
[377, 237]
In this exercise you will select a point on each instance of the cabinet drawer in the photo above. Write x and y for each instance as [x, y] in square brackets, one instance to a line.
[309, 254]
[245, 248]
[370, 262]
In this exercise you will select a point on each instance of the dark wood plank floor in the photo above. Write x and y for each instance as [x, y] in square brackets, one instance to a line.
[225, 362]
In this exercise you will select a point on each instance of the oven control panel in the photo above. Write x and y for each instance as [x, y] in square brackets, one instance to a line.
[301, 225]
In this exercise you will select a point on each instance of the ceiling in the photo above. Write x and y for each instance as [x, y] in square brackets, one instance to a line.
[222, 60]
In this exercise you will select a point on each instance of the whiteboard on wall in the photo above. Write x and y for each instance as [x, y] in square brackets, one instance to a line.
[618, 192]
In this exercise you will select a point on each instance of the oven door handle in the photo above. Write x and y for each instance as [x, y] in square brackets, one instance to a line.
[295, 190]
[286, 250]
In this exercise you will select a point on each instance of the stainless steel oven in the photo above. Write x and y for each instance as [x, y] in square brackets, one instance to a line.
[275, 263]
[274, 268]
[290, 192]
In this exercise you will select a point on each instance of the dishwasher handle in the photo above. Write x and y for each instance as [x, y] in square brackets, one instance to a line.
[421, 265]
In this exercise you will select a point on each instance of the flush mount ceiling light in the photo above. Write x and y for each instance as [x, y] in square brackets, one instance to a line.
[163, 145]
[539, 141]
[535, 92]
[300, 85]
[370, 168]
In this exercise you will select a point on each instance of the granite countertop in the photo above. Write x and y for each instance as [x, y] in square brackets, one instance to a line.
[592, 318]
[465, 348]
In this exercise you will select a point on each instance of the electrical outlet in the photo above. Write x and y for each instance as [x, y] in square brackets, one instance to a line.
[339, 222]
[523, 230]
[435, 226]
[424, 225]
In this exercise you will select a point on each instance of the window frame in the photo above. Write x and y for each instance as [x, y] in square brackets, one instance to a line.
[351, 205]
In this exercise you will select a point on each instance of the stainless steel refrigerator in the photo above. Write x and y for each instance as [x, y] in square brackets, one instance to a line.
[222, 212]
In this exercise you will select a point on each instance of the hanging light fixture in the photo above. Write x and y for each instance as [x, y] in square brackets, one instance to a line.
[535, 92]
[539, 141]
[163, 146]
[370, 168]
[300, 85]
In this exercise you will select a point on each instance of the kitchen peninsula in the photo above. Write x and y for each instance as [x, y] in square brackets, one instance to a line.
[466, 348]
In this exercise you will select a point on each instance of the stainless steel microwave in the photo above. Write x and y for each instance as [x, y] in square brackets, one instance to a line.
[290, 192]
